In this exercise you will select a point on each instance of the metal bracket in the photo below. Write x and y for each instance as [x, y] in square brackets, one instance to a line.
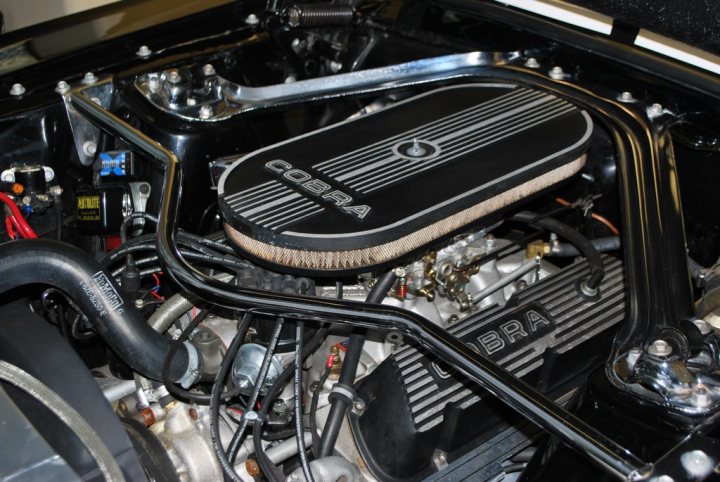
[233, 99]
[85, 134]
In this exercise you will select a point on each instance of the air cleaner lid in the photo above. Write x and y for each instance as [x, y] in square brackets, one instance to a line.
[366, 191]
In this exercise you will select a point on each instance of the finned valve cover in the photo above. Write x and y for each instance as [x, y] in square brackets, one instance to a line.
[365, 192]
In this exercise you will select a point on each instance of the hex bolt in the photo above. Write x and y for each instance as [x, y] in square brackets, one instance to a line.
[633, 356]
[153, 83]
[557, 73]
[655, 110]
[701, 396]
[191, 101]
[660, 348]
[17, 90]
[89, 78]
[489, 241]
[626, 97]
[696, 463]
[279, 407]
[206, 112]
[532, 63]
[144, 52]
[208, 70]
[335, 67]
[139, 303]
[89, 148]
[173, 76]
[252, 19]
[62, 87]
[358, 407]
[440, 458]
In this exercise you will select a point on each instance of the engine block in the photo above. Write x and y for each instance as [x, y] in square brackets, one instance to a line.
[423, 405]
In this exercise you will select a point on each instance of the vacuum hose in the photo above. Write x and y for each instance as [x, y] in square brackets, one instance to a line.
[589, 287]
[77, 274]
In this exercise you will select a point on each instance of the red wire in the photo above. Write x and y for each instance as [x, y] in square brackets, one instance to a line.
[9, 227]
[16, 226]
[157, 296]
[23, 227]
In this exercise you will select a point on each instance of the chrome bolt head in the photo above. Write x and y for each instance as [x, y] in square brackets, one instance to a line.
[626, 97]
[358, 406]
[62, 87]
[89, 148]
[632, 357]
[655, 110]
[532, 63]
[89, 78]
[701, 396]
[144, 52]
[660, 348]
[17, 90]
[208, 70]
[173, 76]
[206, 112]
[557, 73]
[696, 463]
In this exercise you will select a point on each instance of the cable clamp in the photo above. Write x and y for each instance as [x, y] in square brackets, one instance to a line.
[194, 367]
[342, 392]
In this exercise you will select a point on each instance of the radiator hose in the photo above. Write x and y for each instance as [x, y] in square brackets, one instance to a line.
[83, 279]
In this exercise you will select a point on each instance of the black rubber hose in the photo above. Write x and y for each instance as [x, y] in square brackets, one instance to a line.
[85, 281]
[215, 396]
[339, 405]
[176, 391]
[603, 245]
[583, 244]
[297, 391]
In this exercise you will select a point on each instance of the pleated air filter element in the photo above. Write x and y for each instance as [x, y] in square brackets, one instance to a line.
[365, 192]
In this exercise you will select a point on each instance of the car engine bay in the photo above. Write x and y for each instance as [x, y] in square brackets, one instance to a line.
[379, 241]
